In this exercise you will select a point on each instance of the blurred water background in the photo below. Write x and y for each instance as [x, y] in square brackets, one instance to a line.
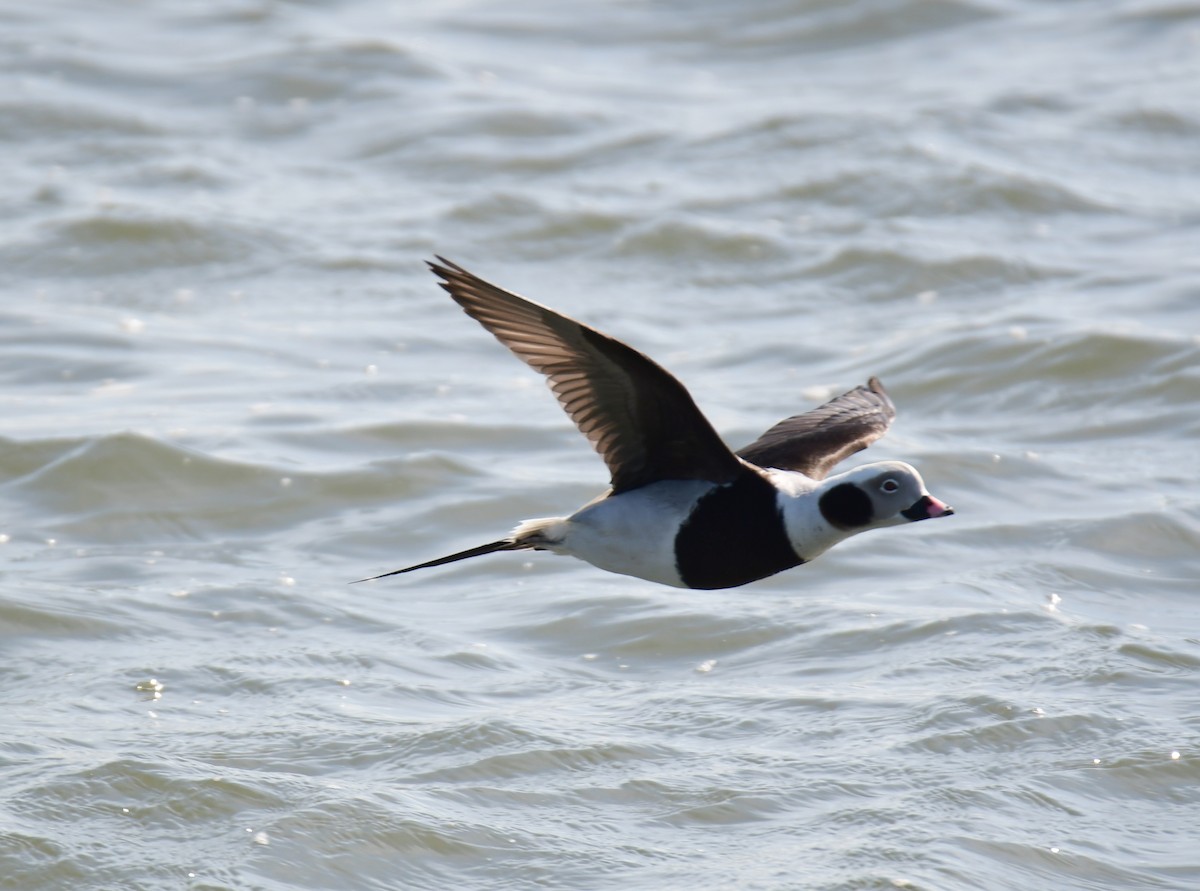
[229, 386]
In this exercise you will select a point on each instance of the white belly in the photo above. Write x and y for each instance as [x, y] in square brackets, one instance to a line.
[634, 533]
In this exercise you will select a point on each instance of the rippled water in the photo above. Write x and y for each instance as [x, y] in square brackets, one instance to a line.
[229, 387]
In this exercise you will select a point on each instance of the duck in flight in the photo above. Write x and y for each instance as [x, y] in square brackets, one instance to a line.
[684, 509]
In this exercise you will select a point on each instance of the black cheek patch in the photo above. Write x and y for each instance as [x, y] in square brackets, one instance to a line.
[847, 507]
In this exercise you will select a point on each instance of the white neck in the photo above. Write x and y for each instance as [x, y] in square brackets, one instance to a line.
[799, 501]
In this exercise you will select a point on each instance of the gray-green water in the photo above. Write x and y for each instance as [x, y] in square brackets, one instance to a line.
[228, 386]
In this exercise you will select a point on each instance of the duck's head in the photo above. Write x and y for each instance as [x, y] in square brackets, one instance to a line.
[886, 493]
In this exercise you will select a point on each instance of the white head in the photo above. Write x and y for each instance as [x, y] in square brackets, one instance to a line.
[886, 493]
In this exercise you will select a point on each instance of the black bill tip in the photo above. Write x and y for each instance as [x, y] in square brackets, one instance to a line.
[926, 508]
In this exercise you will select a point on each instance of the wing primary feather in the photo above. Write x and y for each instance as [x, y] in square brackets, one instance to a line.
[640, 418]
[814, 442]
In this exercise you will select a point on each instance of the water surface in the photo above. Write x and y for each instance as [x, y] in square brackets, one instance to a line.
[229, 386]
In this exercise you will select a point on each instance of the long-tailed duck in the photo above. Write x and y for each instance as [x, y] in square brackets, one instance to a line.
[684, 509]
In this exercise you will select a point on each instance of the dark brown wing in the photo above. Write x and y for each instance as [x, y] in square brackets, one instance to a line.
[814, 442]
[638, 417]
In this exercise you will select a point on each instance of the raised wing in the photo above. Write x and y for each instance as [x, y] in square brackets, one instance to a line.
[814, 442]
[638, 416]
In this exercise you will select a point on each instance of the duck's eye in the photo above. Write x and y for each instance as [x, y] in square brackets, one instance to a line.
[889, 486]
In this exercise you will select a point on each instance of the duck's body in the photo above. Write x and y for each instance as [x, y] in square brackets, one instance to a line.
[685, 510]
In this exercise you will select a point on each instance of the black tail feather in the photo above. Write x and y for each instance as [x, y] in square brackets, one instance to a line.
[505, 544]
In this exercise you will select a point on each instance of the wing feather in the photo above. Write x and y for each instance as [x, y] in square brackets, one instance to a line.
[815, 442]
[640, 418]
